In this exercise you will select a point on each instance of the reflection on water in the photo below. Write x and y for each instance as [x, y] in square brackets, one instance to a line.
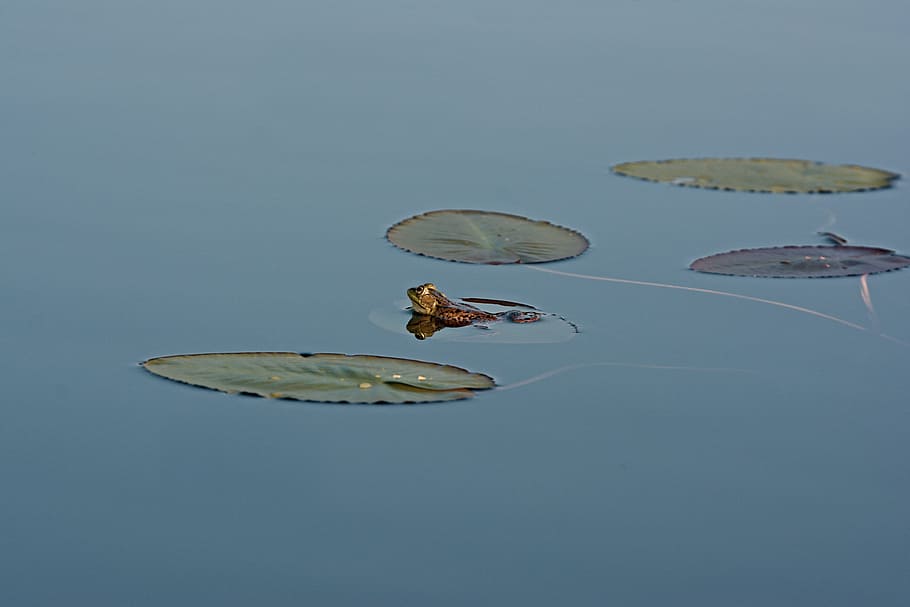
[550, 328]
[423, 326]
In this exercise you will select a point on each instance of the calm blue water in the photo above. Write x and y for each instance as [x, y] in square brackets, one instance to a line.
[182, 177]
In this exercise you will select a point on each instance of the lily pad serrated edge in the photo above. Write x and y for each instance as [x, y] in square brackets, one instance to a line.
[481, 263]
[889, 176]
[468, 392]
[794, 246]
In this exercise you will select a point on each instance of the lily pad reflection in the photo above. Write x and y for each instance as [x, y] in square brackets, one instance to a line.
[331, 378]
[802, 262]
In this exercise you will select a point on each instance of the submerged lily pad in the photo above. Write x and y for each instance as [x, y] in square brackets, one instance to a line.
[802, 262]
[331, 378]
[776, 175]
[485, 237]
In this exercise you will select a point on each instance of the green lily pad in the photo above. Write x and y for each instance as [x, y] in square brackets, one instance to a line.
[331, 378]
[775, 175]
[802, 262]
[485, 237]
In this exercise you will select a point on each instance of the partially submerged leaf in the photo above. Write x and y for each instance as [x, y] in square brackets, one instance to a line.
[775, 175]
[802, 262]
[497, 302]
[835, 238]
[485, 237]
[332, 378]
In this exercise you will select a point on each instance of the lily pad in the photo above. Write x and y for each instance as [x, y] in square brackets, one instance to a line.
[485, 237]
[331, 378]
[775, 175]
[802, 262]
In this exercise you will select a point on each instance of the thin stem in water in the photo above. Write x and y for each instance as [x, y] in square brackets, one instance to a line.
[769, 302]
[551, 373]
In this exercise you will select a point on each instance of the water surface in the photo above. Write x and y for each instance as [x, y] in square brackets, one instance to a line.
[190, 177]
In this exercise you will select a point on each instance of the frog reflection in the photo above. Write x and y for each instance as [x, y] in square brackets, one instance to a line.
[422, 326]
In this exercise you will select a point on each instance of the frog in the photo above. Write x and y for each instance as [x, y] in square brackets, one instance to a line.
[433, 310]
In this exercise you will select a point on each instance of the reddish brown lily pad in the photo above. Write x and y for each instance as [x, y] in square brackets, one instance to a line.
[802, 262]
